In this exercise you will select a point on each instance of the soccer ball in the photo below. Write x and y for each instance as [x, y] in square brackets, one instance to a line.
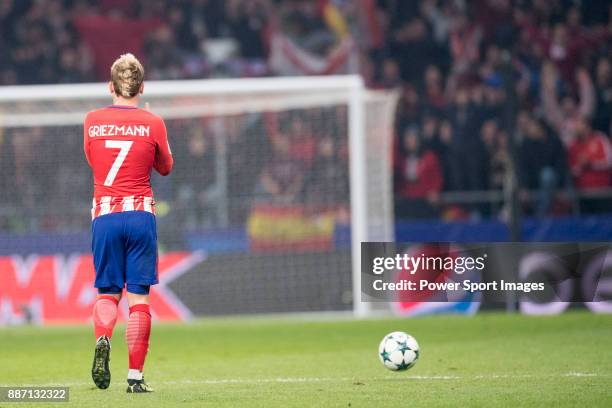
[398, 351]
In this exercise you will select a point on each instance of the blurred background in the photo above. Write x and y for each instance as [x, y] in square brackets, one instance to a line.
[502, 129]
[489, 88]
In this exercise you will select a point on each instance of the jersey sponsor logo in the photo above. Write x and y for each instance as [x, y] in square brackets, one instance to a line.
[49, 289]
[119, 130]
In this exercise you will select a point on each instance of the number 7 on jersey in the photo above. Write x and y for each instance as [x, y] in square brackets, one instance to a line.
[124, 146]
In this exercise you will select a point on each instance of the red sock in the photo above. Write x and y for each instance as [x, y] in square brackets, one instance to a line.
[105, 316]
[137, 335]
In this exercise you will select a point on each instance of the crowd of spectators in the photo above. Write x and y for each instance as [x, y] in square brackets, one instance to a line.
[68, 41]
[494, 89]
[490, 89]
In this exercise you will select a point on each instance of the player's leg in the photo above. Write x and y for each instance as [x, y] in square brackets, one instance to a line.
[141, 272]
[104, 317]
[137, 335]
[105, 311]
[108, 254]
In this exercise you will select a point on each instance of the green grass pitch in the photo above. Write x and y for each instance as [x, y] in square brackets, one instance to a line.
[488, 360]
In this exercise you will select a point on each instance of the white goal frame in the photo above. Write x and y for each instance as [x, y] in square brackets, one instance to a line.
[298, 92]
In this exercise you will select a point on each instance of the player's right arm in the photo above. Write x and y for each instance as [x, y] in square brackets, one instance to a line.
[163, 156]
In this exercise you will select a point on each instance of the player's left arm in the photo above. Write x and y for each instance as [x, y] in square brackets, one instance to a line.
[163, 155]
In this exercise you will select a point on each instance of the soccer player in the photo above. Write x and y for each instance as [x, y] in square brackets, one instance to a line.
[122, 144]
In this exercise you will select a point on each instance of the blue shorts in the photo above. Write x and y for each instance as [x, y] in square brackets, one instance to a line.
[124, 248]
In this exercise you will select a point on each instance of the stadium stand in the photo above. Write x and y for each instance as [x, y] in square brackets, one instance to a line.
[489, 89]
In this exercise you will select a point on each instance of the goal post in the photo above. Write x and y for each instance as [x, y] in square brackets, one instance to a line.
[261, 134]
[359, 210]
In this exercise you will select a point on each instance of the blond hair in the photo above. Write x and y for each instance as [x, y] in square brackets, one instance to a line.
[127, 74]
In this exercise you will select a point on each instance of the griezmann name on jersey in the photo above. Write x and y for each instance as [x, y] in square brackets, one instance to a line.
[122, 144]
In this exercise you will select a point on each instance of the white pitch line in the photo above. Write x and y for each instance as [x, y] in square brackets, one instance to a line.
[572, 374]
[296, 380]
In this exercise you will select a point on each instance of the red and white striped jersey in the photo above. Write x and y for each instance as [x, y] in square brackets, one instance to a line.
[122, 144]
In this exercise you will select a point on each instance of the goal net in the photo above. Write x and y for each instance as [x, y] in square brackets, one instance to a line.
[276, 183]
